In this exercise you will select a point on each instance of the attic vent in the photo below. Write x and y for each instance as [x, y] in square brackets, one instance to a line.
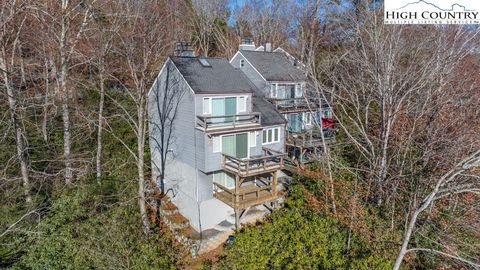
[204, 62]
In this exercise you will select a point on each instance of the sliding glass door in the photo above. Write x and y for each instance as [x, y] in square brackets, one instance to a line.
[295, 122]
[222, 107]
[230, 108]
[235, 145]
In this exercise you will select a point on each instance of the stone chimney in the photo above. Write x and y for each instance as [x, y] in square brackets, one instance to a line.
[184, 49]
[247, 44]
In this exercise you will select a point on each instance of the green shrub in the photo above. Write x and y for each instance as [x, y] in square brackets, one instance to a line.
[83, 230]
[297, 238]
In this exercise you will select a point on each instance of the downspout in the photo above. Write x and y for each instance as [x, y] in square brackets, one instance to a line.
[196, 173]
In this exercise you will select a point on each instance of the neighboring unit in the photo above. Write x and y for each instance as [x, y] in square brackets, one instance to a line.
[280, 78]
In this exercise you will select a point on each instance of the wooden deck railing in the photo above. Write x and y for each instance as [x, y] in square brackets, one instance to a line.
[208, 123]
[245, 196]
[309, 138]
[294, 104]
[270, 161]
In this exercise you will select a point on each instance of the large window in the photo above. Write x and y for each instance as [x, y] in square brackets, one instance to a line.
[271, 135]
[219, 106]
[235, 145]
[285, 91]
[295, 121]
[225, 179]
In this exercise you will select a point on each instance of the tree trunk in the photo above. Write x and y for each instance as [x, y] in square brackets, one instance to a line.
[66, 132]
[45, 105]
[140, 166]
[64, 97]
[19, 133]
[100, 125]
[406, 240]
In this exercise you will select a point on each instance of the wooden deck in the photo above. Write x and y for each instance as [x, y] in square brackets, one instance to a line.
[271, 161]
[293, 105]
[246, 196]
[308, 139]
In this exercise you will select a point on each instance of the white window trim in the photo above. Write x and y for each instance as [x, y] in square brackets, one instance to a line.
[273, 136]
[298, 90]
[209, 111]
[273, 90]
[309, 122]
[224, 97]
[239, 108]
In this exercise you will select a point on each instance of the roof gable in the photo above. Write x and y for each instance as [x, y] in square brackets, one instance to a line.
[274, 66]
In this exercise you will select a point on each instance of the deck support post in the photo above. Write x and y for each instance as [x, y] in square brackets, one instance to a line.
[274, 183]
[238, 215]
[237, 187]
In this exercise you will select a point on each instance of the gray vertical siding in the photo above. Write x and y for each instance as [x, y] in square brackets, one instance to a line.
[181, 172]
[251, 73]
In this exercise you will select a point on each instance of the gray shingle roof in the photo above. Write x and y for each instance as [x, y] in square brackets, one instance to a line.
[270, 116]
[219, 78]
[274, 66]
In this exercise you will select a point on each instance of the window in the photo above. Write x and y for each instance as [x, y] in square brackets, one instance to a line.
[207, 105]
[223, 106]
[235, 145]
[326, 114]
[271, 135]
[298, 91]
[273, 90]
[242, 104]
[224, 179]
[308, 118]
[242, 63]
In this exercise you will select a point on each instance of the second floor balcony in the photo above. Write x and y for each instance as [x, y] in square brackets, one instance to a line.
[288, 105]
[243, 121]
[310, 138]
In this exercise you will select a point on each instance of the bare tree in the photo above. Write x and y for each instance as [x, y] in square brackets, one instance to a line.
[207, 21]
[143, 43]
[164, 108]
[268, 21]
[106, 25]
[64, 25]
[12, 18]
[391, 87]
[375, 80]
[459, 179]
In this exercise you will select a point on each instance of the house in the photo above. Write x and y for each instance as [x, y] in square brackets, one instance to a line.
[227, 142]
[281, 80]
